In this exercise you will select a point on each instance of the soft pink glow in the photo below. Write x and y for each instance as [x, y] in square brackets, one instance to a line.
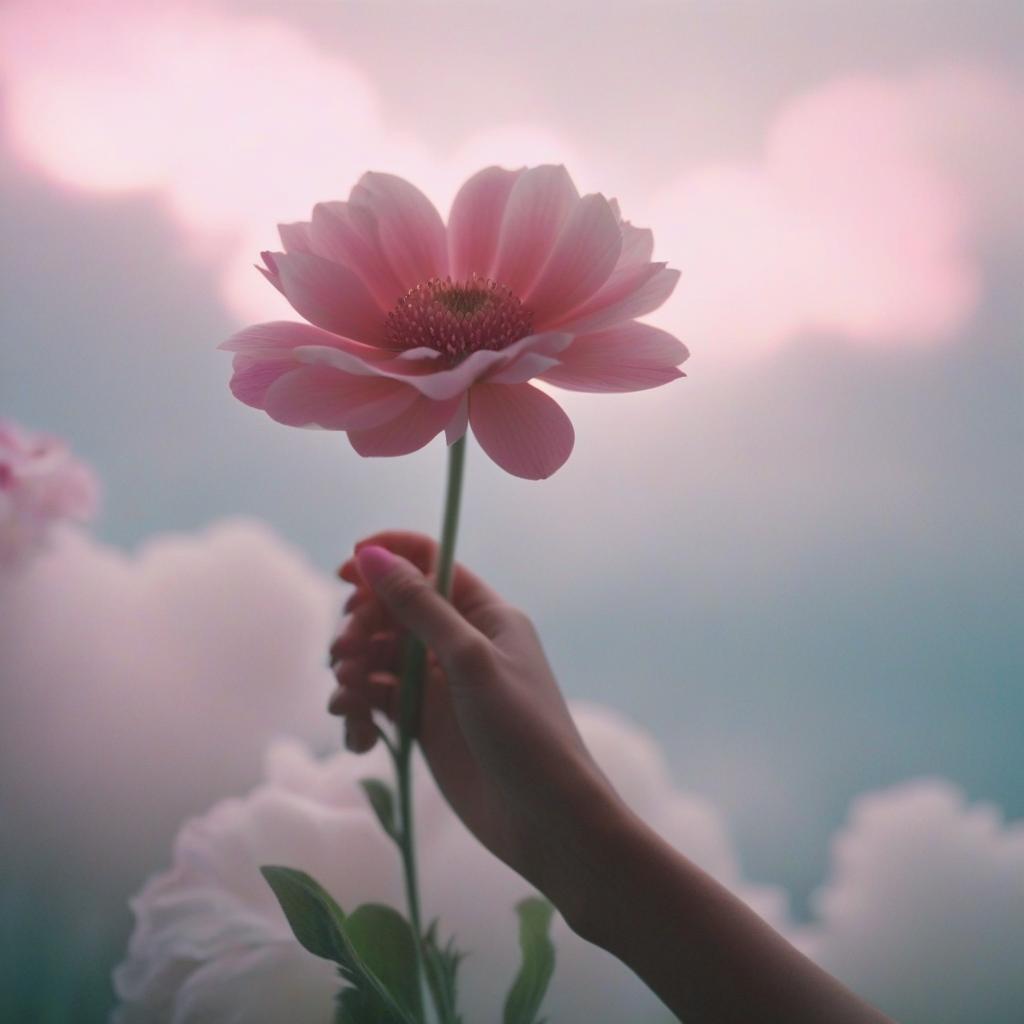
[239, 121]
[41, 486]
[848, 224]
[222, 112]
[546, 285]
[856, 220]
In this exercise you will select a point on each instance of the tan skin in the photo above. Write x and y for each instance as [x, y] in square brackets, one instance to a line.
[500, 742]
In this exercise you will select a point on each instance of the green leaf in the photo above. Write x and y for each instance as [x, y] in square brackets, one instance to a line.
[360, 1006]
[527, 992]
[384, 942]
[442, 964]
[382, 800]
[315, 918]
[321, 927]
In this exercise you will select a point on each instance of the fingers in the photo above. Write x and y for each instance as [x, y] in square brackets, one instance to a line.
[470, 595]
[364, 688]
[360, 731]
[368, 621]
[364, 659]
[403, 589]
[394, 594]
[379, 692]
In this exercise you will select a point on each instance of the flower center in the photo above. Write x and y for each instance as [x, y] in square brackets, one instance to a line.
[456, 318]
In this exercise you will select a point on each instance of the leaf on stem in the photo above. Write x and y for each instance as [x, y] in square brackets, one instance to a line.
[316, 920]
[384, 942]
[442, 964]
[531, 983]
[368, 946]
[382, 800]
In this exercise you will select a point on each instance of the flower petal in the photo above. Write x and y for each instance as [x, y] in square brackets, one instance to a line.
[539, 203]
[637, 249]
[321, 396]
[585, 254]
[348, 234]
[526, 367]
[419, 424]
[623, 297]
[329, 295]
[252, 377]
[522, 429]
[411, 232]
[456, 426]
[632, 357]
[475, 221]
[280, 338]
[295, 237]
[259, 984]
[437, 384]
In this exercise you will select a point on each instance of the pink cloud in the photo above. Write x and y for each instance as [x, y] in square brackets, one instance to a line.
[848, 223]
[144, 685]
[240, 122]
[857, 218]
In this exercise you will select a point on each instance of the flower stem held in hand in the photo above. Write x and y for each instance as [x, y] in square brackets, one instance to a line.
[411, 696]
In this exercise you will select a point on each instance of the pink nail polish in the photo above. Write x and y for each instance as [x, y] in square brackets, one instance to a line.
[375, 562]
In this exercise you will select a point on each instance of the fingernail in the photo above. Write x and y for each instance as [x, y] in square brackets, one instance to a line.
[359, 736]
[375, 562]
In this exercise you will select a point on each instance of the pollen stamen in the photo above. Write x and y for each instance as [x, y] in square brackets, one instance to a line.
[457, 318]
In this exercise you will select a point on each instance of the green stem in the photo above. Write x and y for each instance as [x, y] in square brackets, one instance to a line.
[410, 702]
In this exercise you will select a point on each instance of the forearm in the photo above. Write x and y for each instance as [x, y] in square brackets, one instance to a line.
[709, 957]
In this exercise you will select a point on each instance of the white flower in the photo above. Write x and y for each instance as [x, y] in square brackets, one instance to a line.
[41, 484]
[210, 943]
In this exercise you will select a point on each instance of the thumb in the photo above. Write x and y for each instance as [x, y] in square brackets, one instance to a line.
[412, 600]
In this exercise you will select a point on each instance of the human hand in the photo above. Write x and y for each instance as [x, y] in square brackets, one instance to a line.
[505, 752]
[494, 727]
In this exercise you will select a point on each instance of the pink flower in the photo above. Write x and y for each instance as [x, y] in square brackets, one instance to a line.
[41, 484]
[415, 327]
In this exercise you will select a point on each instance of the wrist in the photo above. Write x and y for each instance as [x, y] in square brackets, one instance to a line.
[585, 873]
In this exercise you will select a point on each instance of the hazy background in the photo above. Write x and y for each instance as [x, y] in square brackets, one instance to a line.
[801, 568]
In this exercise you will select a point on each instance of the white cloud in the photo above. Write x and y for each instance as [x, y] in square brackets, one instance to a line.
[922, 914]
[312, 815]
[140, 688]
[923, 910]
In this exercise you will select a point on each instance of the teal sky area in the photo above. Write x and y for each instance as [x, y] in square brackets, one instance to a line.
[802, 568]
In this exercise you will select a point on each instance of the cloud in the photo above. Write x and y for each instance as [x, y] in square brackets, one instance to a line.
[965, 117]
[856, 219]
[312, 814]
[140, 688]
[922, 912]
[923, 909]
[239, 121]
[847, 223]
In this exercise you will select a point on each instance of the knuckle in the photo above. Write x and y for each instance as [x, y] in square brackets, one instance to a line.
[520, 621]
[405, 592]
[470, 657]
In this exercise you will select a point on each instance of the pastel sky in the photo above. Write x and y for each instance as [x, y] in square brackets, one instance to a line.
[801, 568]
